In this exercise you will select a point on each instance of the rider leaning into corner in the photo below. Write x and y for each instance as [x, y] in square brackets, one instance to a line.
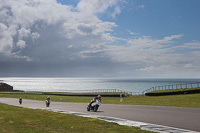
[48, 98]
[96, 98]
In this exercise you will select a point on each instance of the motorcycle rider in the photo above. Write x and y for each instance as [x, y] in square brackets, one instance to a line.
[20, 100]
[48, 99]
[96, 98]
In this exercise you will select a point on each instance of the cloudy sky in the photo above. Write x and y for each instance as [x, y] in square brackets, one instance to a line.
[100, 38]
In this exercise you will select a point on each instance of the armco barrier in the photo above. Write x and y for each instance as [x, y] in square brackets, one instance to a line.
[176, 86]
[173, 93]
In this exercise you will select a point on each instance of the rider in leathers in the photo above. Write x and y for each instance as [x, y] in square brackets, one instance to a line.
[96, 98]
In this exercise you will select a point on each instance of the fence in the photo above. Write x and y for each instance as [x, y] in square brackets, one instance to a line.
[177, 86]
[103, 91]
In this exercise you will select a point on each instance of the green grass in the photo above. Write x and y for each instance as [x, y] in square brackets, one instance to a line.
[188, 100]
[22, 120]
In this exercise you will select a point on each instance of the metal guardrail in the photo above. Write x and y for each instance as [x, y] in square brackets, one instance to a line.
[103, 91]
[176, 86]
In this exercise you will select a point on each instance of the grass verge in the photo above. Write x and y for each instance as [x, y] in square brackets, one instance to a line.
[21, 120]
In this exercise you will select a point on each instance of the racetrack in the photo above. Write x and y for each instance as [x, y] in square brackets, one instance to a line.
[178, 117]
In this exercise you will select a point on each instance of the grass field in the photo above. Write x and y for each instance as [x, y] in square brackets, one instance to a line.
[22, 120]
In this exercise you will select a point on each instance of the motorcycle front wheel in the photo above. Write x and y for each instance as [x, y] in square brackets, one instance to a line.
[88, 108]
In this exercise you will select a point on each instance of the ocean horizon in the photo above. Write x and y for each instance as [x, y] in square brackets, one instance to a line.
[51, 84]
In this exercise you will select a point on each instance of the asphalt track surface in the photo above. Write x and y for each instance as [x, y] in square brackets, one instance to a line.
[178, 117]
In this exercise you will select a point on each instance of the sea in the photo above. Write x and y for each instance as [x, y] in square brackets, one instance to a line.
[135, 85]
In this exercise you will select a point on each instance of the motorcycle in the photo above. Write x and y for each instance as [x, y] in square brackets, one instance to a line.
[20, 101]
[47, 103]
[94, 106]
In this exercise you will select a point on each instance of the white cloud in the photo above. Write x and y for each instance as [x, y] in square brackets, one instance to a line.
[158, 69]
[21, 44]
[141, 7]
[117, 11]
[142, 49]
[91, 7]
[26, 19]
[189, 65]
[132, 33]
[23, 33]
[6, 39]
[35, 35]
[157, 56]
[190, 45]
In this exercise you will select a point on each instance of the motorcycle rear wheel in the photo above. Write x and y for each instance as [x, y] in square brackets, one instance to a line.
[95, 108]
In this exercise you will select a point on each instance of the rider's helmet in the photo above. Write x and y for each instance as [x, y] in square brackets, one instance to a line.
[99, 96]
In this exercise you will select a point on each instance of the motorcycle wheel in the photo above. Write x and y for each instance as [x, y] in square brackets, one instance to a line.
[95, 108]
[47, 104]
[88, 108]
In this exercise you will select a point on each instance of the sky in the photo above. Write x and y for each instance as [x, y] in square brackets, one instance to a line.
[100, 38]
